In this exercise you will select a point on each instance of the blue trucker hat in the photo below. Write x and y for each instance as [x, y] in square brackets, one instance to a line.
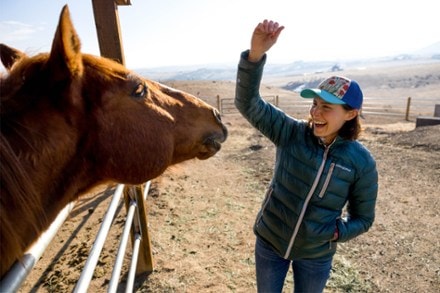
[337, 90]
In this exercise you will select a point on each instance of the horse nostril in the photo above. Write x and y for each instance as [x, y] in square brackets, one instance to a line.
[217, 115]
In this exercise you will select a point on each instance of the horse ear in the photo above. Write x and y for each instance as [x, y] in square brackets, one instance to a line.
[10, 56]
[65, 60]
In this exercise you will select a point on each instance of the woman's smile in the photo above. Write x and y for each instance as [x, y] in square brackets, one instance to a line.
[328, 119]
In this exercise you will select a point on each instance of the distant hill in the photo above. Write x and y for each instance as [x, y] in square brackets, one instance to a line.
[228, 72]
[432, 51]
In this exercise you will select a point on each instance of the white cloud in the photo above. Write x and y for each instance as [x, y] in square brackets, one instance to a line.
[14, 31]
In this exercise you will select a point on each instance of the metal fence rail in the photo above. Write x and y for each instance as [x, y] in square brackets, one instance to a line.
[135, 198]
[12, 281]
[136, 224]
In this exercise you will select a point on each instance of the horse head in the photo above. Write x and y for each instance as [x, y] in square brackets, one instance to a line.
[72, 120]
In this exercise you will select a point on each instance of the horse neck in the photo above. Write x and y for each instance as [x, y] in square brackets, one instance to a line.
[56, 175]
[27, 205]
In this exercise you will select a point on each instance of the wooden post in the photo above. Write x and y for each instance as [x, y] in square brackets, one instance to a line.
[219, 106]
[108, 30]
[408, 105]
[140, 225]
[437, 110]
[123, 2]
[145, 263]
[110, 45]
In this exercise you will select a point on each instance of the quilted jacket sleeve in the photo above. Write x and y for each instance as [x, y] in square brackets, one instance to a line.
[269, 120]
[362, 200]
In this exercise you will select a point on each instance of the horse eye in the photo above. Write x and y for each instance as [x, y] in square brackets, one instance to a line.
[140, 91]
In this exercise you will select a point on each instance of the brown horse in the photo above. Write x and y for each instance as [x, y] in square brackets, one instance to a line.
[71, 121]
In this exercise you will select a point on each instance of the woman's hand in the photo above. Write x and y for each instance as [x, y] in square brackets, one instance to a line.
[264, 37]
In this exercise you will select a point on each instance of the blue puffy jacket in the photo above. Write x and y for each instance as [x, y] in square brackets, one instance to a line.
[312, 183]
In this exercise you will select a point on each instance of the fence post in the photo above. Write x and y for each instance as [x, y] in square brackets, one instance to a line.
[437, 110]
[219, 107]
[408, 105]
[276, 100]
[140, 225]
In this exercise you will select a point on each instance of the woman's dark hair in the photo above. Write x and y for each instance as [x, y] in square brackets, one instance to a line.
[351, 129]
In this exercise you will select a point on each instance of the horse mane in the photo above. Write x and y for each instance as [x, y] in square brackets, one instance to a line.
[17, 194]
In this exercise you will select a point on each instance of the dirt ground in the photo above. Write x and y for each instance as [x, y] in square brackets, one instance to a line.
[201, 212]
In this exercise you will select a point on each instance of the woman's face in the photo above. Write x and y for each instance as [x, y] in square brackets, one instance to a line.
[328, 118]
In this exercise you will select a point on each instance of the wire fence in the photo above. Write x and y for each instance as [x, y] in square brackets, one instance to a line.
[392, 109]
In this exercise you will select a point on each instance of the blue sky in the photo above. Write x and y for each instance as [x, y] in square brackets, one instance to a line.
[196, 32]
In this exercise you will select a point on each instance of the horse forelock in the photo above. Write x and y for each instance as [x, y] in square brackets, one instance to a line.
[104, 68]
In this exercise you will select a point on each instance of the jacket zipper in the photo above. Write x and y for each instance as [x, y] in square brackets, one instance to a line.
[327, 180]
[306, 203]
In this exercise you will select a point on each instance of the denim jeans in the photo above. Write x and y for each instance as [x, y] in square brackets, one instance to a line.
[309, 275]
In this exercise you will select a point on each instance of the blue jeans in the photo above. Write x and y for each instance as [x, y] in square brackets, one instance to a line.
[309, 275]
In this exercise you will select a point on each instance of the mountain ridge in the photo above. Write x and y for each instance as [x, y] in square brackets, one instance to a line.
[429, 54]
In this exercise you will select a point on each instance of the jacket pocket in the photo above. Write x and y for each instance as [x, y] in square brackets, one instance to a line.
[265, 202]
[327, 180]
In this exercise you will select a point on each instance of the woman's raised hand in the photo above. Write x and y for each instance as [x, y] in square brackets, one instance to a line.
[264, 37]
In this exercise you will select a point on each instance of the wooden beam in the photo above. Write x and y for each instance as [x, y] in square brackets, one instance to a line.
[110, 45]
[107, 27]
[123, 2]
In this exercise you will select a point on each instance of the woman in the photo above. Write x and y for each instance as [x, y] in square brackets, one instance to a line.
[320, 167]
